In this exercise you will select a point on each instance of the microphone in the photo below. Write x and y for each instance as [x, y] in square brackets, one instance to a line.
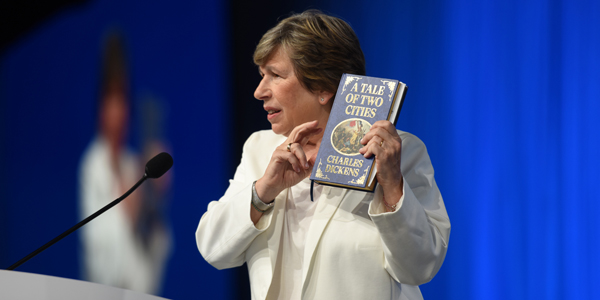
[155, 168]
[159, 165]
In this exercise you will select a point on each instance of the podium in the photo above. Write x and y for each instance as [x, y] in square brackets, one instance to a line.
[27, 286]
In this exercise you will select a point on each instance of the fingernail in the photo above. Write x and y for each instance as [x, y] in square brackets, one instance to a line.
[306, 165]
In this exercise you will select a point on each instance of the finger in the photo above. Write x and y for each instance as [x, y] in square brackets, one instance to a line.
[304, 131]
[373, 147]
[385, 129]
[377, 131]
[375, 141]
[303, 136]
[386, 125]
[304, 126]
[297, 150]
[293, 161]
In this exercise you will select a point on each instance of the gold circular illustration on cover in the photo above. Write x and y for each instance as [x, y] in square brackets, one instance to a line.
[346, 136]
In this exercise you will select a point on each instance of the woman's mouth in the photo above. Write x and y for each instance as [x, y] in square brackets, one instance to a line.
[272, 113]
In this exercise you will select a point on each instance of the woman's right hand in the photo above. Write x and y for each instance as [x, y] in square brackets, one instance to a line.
[287, 168]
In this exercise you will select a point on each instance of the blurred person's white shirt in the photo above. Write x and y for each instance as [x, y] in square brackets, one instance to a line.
[112, 254]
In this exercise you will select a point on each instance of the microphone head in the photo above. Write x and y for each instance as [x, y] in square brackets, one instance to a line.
[159, 165]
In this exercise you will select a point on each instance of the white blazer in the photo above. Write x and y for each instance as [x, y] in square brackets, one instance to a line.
[354, 249]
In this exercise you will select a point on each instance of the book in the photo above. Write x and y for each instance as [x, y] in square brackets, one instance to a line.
[359, 102]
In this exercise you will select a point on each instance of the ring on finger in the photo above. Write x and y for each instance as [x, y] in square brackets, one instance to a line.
[381, 144]
[289, 146]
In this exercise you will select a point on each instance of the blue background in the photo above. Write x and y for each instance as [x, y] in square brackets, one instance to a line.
[504, 94]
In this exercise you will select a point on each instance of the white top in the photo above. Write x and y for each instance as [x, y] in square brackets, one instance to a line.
[377, 255]
[112, 253]
[299, 210]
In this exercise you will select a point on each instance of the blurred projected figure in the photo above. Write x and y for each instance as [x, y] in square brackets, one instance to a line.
[125, 247]
[157, 191]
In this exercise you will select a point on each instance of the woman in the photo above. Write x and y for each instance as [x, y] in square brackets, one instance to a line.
[117, 249]
[346, 244]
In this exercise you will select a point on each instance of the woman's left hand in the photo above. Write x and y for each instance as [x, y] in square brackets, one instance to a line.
[383, 141]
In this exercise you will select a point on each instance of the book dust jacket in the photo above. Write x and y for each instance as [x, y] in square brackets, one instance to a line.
[359, 102]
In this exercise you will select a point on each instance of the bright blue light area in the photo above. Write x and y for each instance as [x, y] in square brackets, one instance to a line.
[505, 96]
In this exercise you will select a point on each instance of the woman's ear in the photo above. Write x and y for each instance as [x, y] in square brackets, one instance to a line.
[325, 97]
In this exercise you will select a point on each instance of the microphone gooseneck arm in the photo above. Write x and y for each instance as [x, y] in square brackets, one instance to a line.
[78, 225]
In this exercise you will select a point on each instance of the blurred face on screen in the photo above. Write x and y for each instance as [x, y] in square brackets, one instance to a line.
[287, 102]
[114, 118]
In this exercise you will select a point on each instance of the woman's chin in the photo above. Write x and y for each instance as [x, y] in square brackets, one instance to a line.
[280, 130]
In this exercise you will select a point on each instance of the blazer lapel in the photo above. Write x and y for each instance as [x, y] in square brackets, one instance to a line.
[327, 205]
[278, 217]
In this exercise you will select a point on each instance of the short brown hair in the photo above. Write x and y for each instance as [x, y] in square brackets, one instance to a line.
[321, 48]
[114, 76]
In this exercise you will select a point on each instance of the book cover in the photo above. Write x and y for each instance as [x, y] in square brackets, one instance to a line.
[359, 102]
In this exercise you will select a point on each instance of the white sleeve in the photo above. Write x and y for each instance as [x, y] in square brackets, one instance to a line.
[225, 230]
[415, 236]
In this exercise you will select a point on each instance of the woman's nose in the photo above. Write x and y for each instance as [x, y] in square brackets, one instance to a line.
[262, 91]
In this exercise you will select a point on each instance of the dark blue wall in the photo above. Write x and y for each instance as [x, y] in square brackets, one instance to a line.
[48, 94]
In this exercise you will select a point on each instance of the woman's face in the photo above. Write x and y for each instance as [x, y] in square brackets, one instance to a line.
[114, 113]
[287, 102]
